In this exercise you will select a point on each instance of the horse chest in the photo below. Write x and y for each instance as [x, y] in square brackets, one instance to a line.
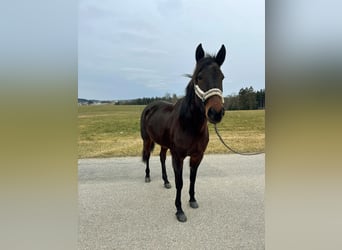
[190, 143]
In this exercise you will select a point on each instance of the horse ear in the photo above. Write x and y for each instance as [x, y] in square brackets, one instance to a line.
[199, 52]
[221, 55]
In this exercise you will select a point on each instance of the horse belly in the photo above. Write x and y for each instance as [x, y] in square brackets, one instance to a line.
[158, 127]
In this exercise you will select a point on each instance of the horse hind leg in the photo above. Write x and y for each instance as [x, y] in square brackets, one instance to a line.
[147, 149]
[162, 155]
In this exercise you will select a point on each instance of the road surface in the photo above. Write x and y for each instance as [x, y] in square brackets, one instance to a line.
[118, 210]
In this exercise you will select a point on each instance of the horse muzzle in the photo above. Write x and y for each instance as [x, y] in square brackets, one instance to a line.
[214, 115]
[214, 109]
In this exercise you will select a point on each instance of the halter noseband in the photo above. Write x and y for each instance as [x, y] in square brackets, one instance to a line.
[205, 95]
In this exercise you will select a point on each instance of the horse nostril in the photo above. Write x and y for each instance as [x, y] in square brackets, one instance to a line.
[211, 113]
[214, 116]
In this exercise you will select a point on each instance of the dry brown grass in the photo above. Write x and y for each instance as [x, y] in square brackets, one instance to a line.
[109, 131]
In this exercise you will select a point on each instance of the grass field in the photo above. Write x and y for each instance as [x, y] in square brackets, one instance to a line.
[109, 130]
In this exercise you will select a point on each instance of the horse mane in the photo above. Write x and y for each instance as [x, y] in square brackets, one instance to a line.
[205, 61]
[190, 107]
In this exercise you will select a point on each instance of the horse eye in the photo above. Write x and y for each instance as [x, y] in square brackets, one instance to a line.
[199, 78]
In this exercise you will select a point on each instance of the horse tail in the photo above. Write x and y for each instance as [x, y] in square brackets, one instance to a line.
[143, 131]
[148, 143]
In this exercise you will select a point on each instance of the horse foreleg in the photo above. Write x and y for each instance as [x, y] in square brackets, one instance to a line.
[194, 163]
[177, 164]
[162, 161]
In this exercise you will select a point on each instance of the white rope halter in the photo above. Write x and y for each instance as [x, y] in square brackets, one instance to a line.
[205, 95]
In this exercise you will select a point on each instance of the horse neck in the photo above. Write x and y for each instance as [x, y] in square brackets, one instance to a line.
[192, 112]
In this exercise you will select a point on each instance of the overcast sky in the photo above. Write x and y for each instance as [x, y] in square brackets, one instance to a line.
[130, 49]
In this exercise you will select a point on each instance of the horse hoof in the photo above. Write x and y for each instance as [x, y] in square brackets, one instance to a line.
[167, 185]
[181, 216]
[193, 204]
[147, 179]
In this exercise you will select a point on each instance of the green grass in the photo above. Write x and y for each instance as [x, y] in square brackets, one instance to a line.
[244, 131]
[109, 130]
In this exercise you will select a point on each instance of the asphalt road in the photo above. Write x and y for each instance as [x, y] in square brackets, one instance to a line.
[118, 210]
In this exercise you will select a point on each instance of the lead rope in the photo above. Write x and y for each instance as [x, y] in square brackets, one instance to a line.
[236, 152]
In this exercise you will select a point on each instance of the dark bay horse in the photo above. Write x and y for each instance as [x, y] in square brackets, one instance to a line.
[182, 127]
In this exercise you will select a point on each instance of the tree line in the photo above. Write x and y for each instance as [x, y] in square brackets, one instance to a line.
[246, 99]
[146, 100]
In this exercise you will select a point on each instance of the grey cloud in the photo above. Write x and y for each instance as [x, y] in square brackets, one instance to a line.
[152, 43]
[148, 51]
[169, 7]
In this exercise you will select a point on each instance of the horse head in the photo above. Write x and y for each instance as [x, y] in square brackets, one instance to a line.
[207, 80]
